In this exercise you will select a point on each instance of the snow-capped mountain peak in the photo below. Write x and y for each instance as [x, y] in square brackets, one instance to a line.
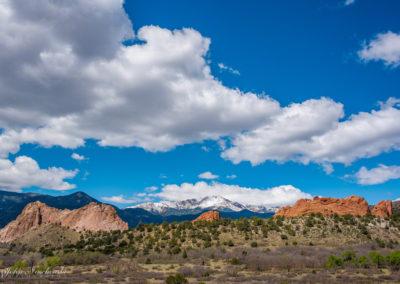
[216, 202]
[193, 206]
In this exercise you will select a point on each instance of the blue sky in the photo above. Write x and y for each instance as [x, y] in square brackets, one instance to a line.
[321, 63]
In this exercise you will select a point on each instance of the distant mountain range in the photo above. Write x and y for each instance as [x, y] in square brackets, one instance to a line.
[11, 205]
[194, 206]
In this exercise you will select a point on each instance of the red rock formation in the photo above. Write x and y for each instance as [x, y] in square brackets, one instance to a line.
[383, 209]
[92, 217]
[208, 216]
[353, 205]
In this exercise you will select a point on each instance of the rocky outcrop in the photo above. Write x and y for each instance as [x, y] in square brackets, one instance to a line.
[208, 216]
[383, 209]
[353, 205]
[92, 217]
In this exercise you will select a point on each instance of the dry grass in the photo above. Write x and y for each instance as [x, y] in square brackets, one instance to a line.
[290, 250]
[49, 235]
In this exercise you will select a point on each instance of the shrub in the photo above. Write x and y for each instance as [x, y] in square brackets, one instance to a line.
[123, 244]
[284, 237]
[46, 252]
[41, 268]
[134, 252]
[184, 254]
[380, 243]
[279, 222]
[349, 255]
[393, 259]
[334, 261]
[243, 224]
[290, 231]
[257, 221]
[173, 243]
[264, 232]
[19, 265]
[175, 250]
[363, 261]
[234, 261]
[177, 279]
[254, 244]
[109, 249]
[52, 262]
[363, 229]
[377, 258]
[310, 222]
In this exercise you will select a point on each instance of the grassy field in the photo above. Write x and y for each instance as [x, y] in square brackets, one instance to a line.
[314, 249]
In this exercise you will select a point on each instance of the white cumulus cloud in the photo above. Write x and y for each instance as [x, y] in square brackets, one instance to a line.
[276, 196]
[208, 175]
[121, 199]
[78, 157]
[312, 132]
[378, 175]
[384, 47]
[156, 95]
[66, 77]
[151, 188]
[25, 172]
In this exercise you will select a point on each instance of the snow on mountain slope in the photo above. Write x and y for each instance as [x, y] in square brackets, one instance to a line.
[192, 206]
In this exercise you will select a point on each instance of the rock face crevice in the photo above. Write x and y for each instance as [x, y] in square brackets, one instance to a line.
[353, 205]
[92, 217]
[208, 216]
